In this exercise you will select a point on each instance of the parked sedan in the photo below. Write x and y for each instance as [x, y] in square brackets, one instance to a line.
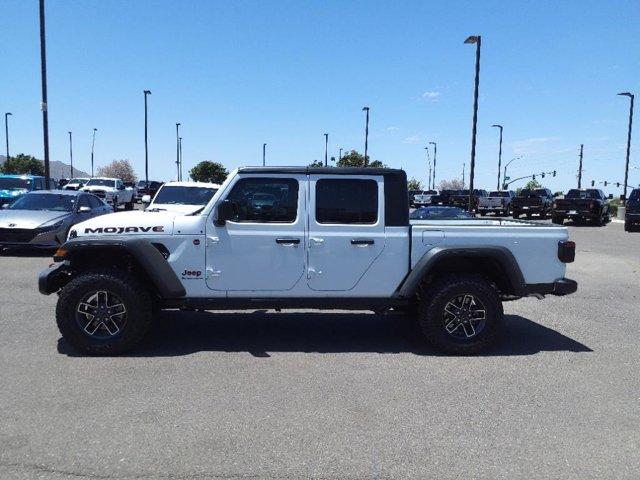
[440, 213]
[42, 219]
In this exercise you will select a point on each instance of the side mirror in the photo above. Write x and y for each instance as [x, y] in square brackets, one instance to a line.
[611, 196]
[146, 199]
[226, 211]
[84, 209]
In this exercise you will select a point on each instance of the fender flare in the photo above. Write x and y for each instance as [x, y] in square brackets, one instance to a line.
[430, 260]
[142, 250]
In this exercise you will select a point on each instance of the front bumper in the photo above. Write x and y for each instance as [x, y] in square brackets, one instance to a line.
[45, 240]
[53, 278]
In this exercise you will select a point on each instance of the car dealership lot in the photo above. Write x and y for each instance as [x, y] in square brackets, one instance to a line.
[332, 395]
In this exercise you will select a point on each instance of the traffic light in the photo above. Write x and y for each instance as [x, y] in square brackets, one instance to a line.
[605, 183]
[554, 173]
[542, 174]
[593, 183]
[534, 176]
[618, 184]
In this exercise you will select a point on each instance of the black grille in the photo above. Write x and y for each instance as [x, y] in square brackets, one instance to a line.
[16, 235]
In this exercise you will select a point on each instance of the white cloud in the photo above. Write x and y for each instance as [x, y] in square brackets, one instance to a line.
[413, 139]
[431, 95]
[392, 129]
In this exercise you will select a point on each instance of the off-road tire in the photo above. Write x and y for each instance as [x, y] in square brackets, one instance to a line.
[134, 296]
[435, 297]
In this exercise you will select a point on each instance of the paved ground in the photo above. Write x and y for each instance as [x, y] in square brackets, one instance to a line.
[340, 395]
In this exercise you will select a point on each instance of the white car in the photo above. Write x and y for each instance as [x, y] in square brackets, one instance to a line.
[75, 184]
[112, 191]
[300, 237]
[181, 197]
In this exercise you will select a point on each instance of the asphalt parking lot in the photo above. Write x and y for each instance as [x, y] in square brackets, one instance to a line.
[332, 395]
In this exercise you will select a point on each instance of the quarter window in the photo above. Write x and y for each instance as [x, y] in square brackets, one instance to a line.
[346, 201]
[265, 200]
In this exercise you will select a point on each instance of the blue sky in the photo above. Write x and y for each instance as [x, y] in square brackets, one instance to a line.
[237, 74]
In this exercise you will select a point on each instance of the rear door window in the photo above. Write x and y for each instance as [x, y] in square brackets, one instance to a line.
[346, 201]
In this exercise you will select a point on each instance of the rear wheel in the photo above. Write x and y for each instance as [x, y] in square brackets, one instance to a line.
[104, 312]
[460, 314]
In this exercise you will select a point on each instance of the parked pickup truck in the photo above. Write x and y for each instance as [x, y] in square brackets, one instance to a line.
[498, 202]
[461, 200]
[445, 197]
[336, 238]
[632, 212]
[112, 191]
[581, 205]
[532, 202]
[424, 198]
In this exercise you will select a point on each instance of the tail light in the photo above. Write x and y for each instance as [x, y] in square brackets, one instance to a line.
[566, 251]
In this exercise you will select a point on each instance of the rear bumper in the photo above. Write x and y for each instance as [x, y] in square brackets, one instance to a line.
[576, 214]
[562, 286]
[632, 217]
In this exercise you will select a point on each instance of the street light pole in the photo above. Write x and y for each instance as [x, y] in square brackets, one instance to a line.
[43, 105]
[580, 168]
[180, 156]
[626, 168]
[326, 147]
[429, 162]
[340, 154]
[6, 130]
[366, 137]
[504, 177]
[146, 143]
[264, 154]
[463, 167]
[178, 149]
[435, 159]
[478, 41]
[93, 142]
[71, 153]
[499, 154]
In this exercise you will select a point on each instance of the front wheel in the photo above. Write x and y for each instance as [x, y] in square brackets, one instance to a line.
[104, 312]
[461, 314]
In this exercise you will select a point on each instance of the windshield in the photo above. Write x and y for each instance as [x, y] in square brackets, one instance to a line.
[101, 182]
[440, 213]
[78, 180]
[430, 192]
[45, 201]
[9, 183]
[449, 192]
[532, 193]
[499, 194]
[582, 194]
[176, 195]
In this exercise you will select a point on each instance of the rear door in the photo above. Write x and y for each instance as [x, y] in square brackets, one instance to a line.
[346, 232]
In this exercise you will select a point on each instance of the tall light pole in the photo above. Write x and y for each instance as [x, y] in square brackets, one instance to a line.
[429, 162]
[178, 149]
[340, 154]
[180, 157]
[146, 143]
[580, 168]
[93, 143]
[326, 147]
[499, 154]
[6, 130]
[477, 39]
[43, 105]
[264, 154]
[366, 137]
[626, 168]
[463, 167]
[435, 159]
[71, 153]
[504, 177]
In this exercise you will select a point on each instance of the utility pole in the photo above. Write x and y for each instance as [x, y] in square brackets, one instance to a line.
[429, 163]
[93, 143]
[580, 168]
[326, 146]
[178, 149]
[340, 154]
[264, 154]
[463, 166]
[6, 130]
[478, 41]
[435, 159]
[71, 154]
[45, 113]
[626, 168]
[146, 142]
[499, 154]
[180, 156]
[366, 138]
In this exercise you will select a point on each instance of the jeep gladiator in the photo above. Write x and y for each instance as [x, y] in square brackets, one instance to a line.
[331, 238]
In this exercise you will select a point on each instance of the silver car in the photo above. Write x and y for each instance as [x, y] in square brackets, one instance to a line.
[42, 219]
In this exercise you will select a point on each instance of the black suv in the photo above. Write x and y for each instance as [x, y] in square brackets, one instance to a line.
[632, 212]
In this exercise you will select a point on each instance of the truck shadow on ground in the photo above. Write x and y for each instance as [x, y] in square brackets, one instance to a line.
[259, 333]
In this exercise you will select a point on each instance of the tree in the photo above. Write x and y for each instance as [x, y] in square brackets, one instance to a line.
[455, 184]
[121, 169]
[208, 171]
[414, 184]
[533, 184]
[316, 164]
[21, 164]
[355, 159]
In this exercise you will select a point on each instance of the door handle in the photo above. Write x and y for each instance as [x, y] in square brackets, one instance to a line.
[316, 241]
[361, 242]
[289, 242]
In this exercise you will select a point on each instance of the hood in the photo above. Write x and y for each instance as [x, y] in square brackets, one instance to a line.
[93, 188]
[12, 193]
[29, 218]
[127, 223]
[168, 207]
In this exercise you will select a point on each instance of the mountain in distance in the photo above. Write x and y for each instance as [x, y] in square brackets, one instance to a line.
[58, 169]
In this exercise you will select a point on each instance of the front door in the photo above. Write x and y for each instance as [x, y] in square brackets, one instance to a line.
[263, 247]
[346, 229]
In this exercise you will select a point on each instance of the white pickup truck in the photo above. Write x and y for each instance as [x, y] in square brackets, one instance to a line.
[112, 191]
[298, 237]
